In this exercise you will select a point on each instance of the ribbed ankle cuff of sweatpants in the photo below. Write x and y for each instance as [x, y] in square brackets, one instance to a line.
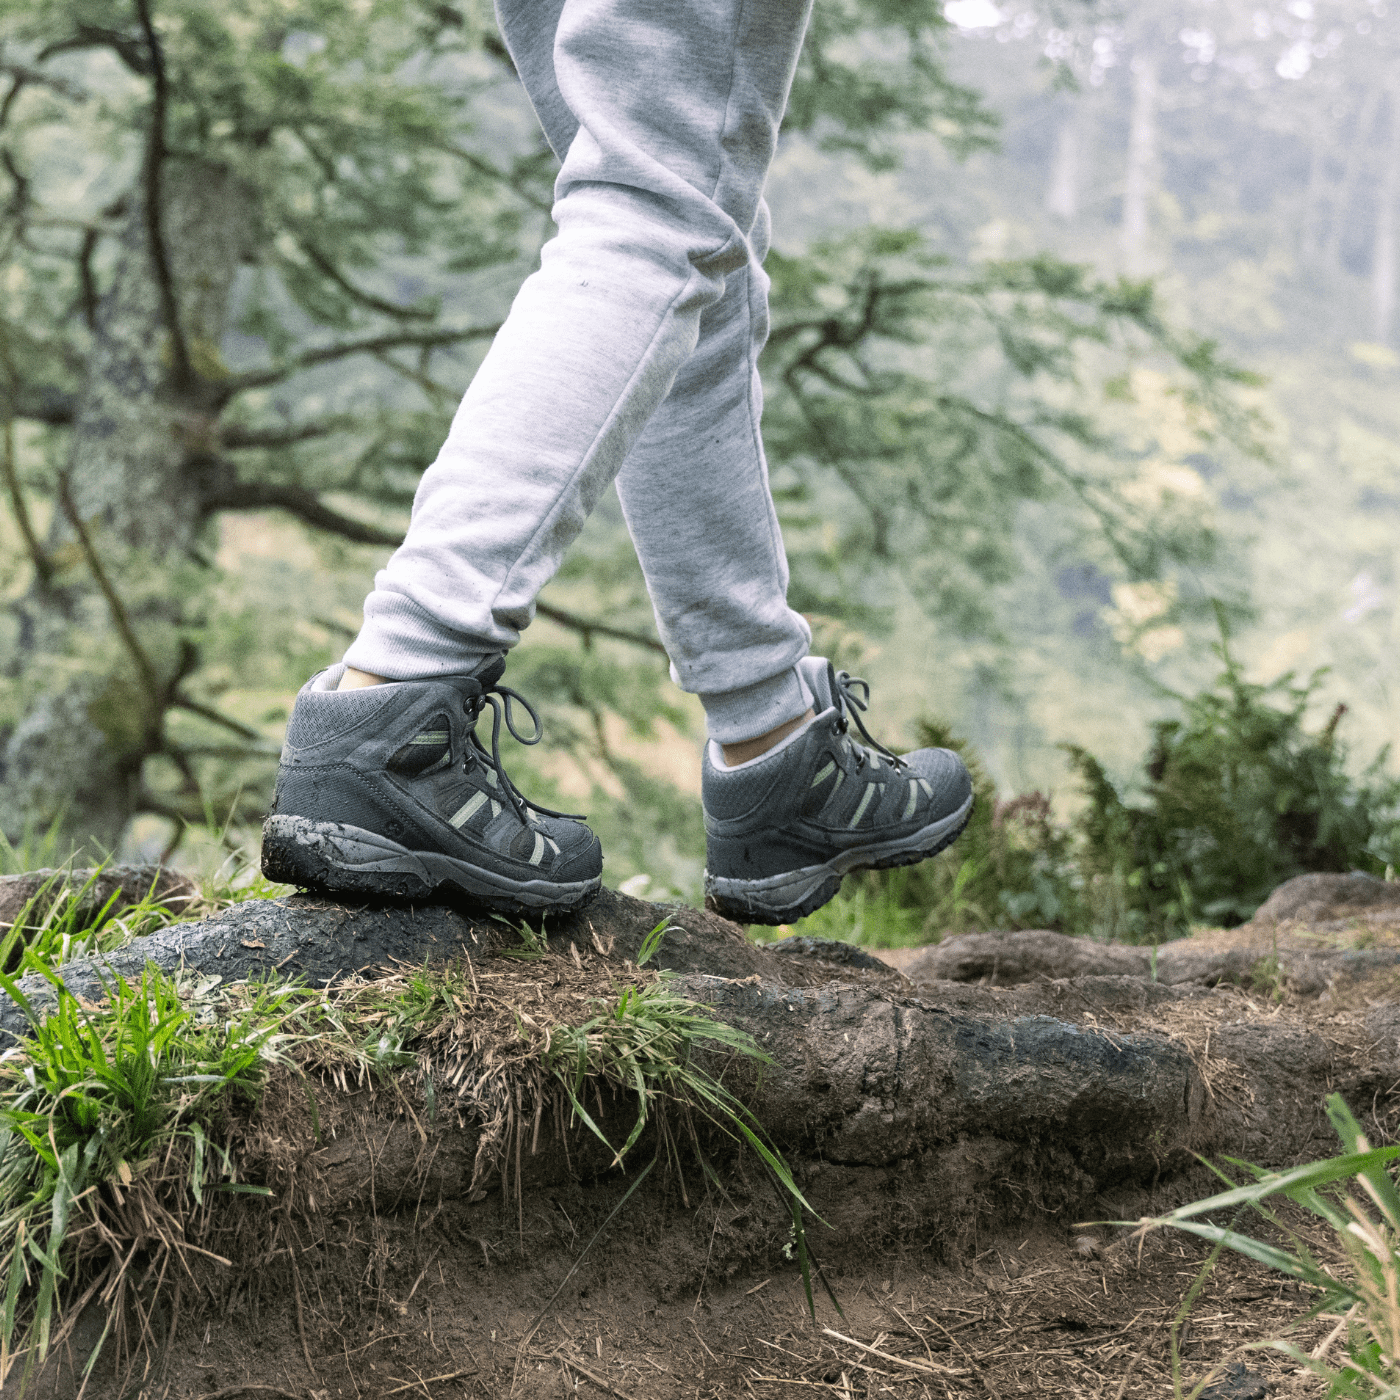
[399, 648]
[732, 716]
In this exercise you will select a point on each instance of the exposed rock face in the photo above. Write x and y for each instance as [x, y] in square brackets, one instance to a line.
[1009, 959]
[865, 1075]
[1322, 899]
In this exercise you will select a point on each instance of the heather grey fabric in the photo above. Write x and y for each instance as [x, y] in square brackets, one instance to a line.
[630, 354]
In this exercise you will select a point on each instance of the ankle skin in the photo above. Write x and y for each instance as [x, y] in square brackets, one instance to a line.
[735, 754]
[355, 680]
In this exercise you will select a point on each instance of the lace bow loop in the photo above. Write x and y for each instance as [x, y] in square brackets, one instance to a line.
[844, 686]
[500, 698]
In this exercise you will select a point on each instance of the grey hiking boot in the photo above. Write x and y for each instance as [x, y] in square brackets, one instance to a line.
[389, 791]
[784, 828]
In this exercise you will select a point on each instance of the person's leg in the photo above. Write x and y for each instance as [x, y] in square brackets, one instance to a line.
[694, 487]
[694, 492]
[677, 105]
[670, 110]
[792, 801]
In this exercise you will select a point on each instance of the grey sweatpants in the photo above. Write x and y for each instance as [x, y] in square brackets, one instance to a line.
[630, 354]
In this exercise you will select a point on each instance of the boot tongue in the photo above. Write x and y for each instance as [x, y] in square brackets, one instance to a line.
[820, 677]
[490, 670]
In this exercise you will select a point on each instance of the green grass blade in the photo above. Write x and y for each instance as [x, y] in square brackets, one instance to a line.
[652, 942]
[1270, 1255]
[18, 1277]
[197, 1164]
[1310, 1175]
[585, 1117]
[1349, 1130]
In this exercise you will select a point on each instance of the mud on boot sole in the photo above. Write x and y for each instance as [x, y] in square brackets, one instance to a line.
[782, 899]
[336, 858]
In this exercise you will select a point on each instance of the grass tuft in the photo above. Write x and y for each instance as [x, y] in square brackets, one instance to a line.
[92, 1102]
[1357, 1287]
[650, 1043]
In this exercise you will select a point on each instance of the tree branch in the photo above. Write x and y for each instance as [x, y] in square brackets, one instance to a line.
[227, 751]
[328, 269]
[183, 370]
[298, 501]
[588, 628]
[513, 181]
[369, 345]
[307, 507]
[22, 77]
[85, 277]
[91, 36]
[19, 201]
[147, 671]
[43, 566]
[17, 84]
[237, 438]
[183, 702]
[42, 404]
[420, 376]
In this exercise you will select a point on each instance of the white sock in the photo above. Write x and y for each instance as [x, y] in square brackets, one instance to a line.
[717, 751]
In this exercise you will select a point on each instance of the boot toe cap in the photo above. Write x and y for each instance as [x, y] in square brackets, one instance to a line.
[580, 853]
[945, 773]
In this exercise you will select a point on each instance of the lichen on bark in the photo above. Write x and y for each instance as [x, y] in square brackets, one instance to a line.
[95, 669]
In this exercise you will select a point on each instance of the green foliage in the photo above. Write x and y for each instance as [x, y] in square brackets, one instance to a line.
[915, 405]
[651, 944]
[1239, 795]
[35, 850]
[1359, 1288]
[872, 70]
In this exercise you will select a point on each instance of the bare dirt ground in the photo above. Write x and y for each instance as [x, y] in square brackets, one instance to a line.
[424, 1312]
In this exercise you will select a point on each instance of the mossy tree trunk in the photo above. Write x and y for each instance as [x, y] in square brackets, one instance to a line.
[103, 632]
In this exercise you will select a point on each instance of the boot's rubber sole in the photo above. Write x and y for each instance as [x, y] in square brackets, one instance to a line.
[337, 858]
[781, 899]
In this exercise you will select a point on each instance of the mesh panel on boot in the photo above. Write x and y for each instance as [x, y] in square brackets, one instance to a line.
[321, 715]
[466, 806]
[524, 844]
[825, 783]
[430, 748]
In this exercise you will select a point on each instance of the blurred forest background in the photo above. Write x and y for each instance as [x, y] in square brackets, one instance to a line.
[1083, 416]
